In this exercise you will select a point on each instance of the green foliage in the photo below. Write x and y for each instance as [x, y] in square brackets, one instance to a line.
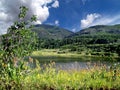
[118, 50]
[95, 78]
[51, 32]
[19, 40]
[102, 40]
[100, 30]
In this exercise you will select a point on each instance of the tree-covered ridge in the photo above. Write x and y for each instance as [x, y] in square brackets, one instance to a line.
[99, 34]
[100, 30]
[45, 31]
[99, 38]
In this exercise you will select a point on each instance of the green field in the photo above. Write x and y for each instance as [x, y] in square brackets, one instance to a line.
[66, 53]
[55, 53]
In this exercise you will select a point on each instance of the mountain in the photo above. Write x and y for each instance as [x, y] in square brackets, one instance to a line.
[99, 34]
[51, 32]
[100, 30]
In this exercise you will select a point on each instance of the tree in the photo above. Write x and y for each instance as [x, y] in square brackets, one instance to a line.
[118, 50]
[19, 40]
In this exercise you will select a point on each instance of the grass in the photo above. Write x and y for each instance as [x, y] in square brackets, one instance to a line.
[96, 78]
[56, 53]
[74, 80]
[47, 77]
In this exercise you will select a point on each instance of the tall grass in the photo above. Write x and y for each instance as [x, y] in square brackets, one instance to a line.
[48, 78]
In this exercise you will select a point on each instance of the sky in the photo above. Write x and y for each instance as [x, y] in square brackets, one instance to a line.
[73, 15]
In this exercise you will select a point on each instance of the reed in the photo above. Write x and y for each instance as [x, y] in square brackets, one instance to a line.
[49, 78]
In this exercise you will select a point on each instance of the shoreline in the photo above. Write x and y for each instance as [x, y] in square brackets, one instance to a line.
[54, 53]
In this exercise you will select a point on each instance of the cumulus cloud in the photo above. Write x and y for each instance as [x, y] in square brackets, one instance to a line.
[97, 19]
[3, 16]
[56, 22]
[55, 4]
[9, 10]
[108, 20]
[89, 20]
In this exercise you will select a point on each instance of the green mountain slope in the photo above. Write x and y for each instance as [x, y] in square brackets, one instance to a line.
[51, 32]
[100, 34]
[100, 30]
[97, 40]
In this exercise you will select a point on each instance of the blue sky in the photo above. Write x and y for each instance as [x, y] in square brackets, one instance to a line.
[79, 14]
[70, 14]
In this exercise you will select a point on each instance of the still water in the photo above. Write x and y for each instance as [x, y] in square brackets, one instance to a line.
[77, 63]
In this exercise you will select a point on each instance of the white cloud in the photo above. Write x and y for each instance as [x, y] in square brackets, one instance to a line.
[108, 20]
[3, 16]
[55, 4]
[56, 22]
[3, 27]
[9, 10]
[97, 19]
[89, 20]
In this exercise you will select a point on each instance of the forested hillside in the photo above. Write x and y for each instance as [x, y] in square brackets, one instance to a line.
[51, 32]
[96, 40]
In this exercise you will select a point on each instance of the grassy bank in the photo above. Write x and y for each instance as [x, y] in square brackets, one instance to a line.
[74, 80]
[56, 53]
[47, 77]
[96, 78]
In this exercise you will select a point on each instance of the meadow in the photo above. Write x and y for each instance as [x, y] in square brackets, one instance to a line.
[66, 53]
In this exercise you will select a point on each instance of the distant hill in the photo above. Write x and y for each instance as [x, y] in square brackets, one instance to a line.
[99, 34]
[51, 32]
[100, 30]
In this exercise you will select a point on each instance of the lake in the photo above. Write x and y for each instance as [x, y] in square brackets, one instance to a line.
[77, 63]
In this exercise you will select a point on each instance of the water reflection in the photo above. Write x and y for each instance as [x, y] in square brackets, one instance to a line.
[76, 64]
[81, 65]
